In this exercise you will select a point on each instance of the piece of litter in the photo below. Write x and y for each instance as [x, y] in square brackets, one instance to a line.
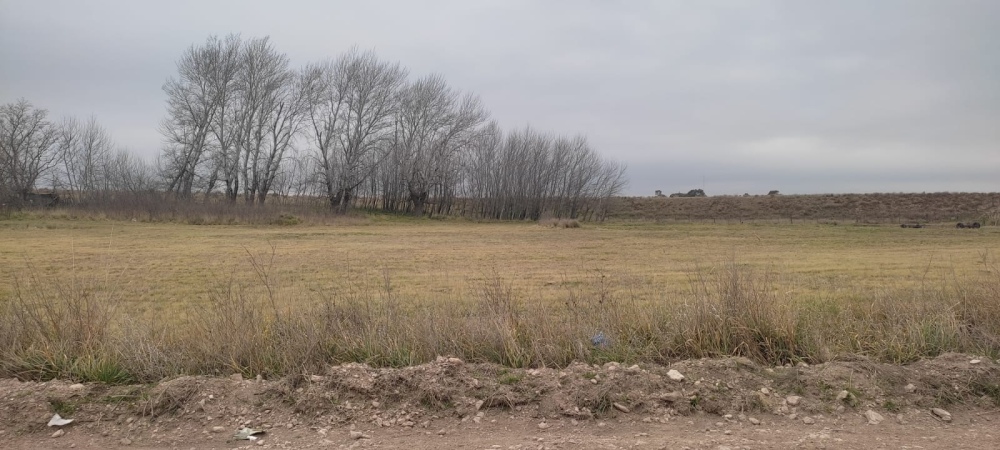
[599, 340]
[247, 434]
[57, 421]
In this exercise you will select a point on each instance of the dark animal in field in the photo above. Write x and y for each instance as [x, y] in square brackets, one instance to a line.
[911, 225]
[968, 225]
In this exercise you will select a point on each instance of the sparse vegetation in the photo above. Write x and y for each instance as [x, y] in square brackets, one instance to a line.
[91, 324]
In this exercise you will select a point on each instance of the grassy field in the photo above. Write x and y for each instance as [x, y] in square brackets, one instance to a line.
[162, 265]
[395, 291]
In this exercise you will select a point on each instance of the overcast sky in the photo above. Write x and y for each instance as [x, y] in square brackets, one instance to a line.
[731, 96]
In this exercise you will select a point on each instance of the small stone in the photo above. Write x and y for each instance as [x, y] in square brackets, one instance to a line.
[941, 414]
[602, 424]
[218, 429]
[754, 421]
[843, 395]
[58, 433]
[674, 375]
[125, 441]
[543, 426]
[357, 435]
[974, 361]
[620, 407]
[873, 417]
[793, 416]
[76, 387]
[909, 388]
[442, 432]
[316, 378]
[808, 420]
[765, 391]
[376, 404]
[793, 400]
[593, 381]
[727, 432]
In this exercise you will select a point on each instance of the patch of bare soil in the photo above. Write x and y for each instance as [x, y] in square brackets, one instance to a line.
[720, 403]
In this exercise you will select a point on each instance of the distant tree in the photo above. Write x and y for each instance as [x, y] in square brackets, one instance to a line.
[27, 148]
[773, 193]
[85, 155]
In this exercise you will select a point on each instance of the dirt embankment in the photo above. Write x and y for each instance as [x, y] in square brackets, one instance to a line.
[709, 403]
[941, 207]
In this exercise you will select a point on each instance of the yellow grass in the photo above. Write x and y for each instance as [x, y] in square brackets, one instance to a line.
[126, 301]
[161, 265]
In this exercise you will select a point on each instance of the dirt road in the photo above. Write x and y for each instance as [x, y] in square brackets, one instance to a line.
[698, 404]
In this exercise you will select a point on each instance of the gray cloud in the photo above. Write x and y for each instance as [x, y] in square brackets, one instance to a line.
[800, 96]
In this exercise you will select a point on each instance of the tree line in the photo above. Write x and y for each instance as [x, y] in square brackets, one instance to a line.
[242, 125]
[71, 156]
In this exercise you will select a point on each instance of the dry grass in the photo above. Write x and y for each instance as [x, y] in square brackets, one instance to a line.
[163, 266]
[124, 301]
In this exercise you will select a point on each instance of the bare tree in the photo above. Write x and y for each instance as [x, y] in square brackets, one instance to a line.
[128, 173]
[85, 152]
[27, 148]
[194, 102]
[268, 109]
[434, 123]
[351, 101]
[224, 125]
